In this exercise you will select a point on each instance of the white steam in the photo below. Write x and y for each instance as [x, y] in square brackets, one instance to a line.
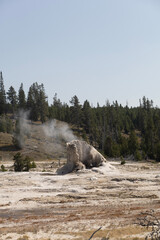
[49, 138]
[22, 130]
[58, 130]
[23, 117]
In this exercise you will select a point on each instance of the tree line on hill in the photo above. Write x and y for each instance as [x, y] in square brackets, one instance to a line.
[113, 129]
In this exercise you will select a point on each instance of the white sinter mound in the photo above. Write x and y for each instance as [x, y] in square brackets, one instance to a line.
[81, 155]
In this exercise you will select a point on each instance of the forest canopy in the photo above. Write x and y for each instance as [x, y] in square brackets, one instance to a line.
[114, 129]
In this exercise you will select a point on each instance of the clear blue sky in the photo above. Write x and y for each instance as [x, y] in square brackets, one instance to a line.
[95, 49]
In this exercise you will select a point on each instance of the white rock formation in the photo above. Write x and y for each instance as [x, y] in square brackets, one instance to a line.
[81, 155]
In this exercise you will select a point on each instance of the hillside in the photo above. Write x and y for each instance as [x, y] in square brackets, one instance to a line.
[39, 145]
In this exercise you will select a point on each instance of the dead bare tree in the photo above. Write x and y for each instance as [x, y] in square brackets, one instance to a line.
[149, 220]
[95, 233]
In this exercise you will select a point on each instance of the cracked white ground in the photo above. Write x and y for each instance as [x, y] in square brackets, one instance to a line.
[43, 205]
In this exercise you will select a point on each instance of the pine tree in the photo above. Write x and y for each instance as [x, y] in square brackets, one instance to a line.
[108, 146]
[12, 98]
[158, 151]
[133, 142]
[86, 116]
[76, 113]
[36, 103]
[21, 163]
[43, 104]
[18, 162]
[33, 102]
[2, 96]
[56, 108]
[21, 98]
[3, 126]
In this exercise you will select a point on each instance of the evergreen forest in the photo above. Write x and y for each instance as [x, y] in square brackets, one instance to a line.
[115, 130]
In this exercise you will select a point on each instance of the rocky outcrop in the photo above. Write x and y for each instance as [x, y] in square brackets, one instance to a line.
[81, 155]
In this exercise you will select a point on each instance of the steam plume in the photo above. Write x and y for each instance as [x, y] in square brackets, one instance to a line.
[22, 128]
[58, 130]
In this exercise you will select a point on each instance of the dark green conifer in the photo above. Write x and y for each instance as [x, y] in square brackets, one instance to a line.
[2, 96]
